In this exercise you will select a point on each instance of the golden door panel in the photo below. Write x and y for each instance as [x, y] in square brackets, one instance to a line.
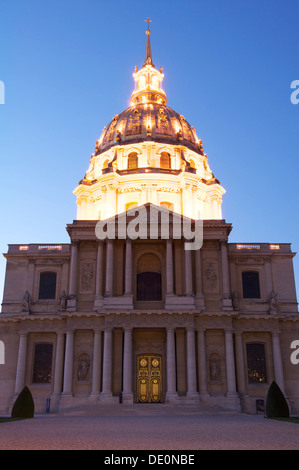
[149, 379]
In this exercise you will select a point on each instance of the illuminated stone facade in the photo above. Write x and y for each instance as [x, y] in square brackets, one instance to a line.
[131, 320]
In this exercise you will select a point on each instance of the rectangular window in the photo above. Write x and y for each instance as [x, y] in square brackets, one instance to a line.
[251, 285]
[256, 363]
[47, 286]
[42, 368]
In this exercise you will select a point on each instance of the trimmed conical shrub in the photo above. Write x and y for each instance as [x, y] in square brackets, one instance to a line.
[24, 405]
[276, 405]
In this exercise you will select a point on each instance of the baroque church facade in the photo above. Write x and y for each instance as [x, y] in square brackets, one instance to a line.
[129, 311]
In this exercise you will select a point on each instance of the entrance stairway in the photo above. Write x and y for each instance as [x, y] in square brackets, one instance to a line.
[146, 409]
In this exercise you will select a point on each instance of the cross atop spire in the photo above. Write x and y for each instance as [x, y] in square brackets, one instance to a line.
[148, 52]
[148, 22]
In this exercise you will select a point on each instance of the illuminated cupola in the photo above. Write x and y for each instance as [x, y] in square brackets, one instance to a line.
[149, 153]
[148, 80]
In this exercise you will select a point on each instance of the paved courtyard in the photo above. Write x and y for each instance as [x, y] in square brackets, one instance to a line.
[148, 427]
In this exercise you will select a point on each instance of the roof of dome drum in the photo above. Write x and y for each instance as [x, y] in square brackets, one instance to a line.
[167, 126]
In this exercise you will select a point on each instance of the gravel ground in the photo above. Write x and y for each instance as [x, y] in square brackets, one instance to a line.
[145, 428]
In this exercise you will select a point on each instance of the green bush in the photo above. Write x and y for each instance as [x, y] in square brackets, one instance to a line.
[24, 405]
[276, 405]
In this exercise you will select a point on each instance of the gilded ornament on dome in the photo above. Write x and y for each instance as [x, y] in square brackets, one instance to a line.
[162, 122]
[134, 123]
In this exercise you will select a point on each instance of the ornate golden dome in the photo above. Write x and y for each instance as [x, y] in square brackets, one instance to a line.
[149, 121]
[148, 117]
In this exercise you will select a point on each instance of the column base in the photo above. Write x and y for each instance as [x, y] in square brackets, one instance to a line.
[192, 397]
[171, 397]
[98, 302]
[108, 399]
[200, 301]
[127, 398]
[227, 304]
[71, 305]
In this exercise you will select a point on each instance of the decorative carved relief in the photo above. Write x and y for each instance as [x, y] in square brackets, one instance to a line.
[87, 276]
[211, 277]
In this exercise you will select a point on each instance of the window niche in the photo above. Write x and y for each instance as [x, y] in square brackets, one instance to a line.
[132, 161]
[165, 160]
[251, 285]
[42, 365]
[149, 278]
[47, 286]
[256, 363]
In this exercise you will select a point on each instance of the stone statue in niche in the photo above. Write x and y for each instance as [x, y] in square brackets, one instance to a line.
[215, 368]
[235, 300]
[83, 368]
[63, 301]
[27, 301]
[273, 302]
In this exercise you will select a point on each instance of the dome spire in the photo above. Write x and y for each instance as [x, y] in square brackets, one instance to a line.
[148, 51]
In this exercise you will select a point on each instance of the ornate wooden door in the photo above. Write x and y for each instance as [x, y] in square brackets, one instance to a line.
[149, 378]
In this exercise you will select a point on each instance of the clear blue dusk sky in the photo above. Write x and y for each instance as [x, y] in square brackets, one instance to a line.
[67, 68]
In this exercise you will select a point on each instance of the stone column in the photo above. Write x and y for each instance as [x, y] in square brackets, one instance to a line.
[58, 372]
[109, 269]
[128, 267]
[171, 393]
[127, 394]
[72, 301]
[21, 365]
[199, 297]
[68, 364]
[226, 300]
[202, 363]
[98, 301]
[230, 363]
[188, 273]
[107, 364]
[191, 364]
[241, 379]
[169, 268]
[278, 367]
[73, 268]
[96, 366]
[99, 270]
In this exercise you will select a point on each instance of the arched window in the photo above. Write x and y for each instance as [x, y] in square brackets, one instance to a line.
[251, 285]
[149, 279]
[165, 161]
[42, 366]
[256, 363]
[132, 161]
[105, 164]
[192, 164]
[47, 285]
